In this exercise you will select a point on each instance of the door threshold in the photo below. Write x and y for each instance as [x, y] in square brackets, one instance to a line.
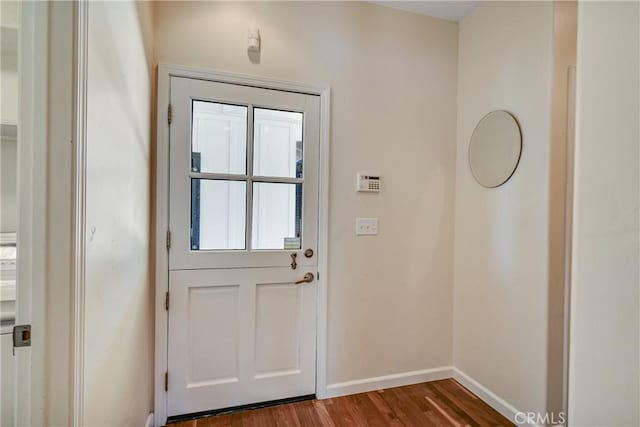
[240, 408]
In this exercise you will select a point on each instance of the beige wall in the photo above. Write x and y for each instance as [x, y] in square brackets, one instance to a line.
[501, 284]
[393, 77]
[119, 318]
[604, 386]
[393, 81]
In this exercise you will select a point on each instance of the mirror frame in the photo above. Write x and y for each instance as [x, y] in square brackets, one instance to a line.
[517, 163]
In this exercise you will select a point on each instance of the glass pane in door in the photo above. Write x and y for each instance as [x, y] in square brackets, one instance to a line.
[277, 147]
[219, 138]
[218, 211]
[277, 216]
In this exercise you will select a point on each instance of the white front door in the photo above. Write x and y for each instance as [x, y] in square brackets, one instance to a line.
[243, 216]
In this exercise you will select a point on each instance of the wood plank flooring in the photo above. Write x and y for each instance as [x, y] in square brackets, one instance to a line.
[438, 403]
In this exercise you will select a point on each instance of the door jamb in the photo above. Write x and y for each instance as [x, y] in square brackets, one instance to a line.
[33, 34]
[45, 133]
[80, 81]
[165, 72]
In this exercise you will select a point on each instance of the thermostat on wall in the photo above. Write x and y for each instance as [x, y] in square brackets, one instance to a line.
[368, 183]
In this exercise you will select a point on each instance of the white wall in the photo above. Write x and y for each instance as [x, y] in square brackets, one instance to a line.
[501, 284]
[393, 81]
[8, 181]
[9, 61]
[8, 112]
[9, 82]
[44, 204]
[51, 400]
[119, 321]
[604, 386]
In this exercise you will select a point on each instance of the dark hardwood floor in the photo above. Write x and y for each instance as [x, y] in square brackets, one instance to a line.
[437, 403]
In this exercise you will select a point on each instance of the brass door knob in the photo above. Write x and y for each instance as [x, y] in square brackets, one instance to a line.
[308, 278]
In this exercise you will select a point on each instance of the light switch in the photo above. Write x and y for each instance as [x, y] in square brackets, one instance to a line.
[366, 226]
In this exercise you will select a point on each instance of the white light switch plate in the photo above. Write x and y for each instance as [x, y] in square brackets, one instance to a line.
[366, 226]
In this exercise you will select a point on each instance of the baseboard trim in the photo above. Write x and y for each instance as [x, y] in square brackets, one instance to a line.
[415, 377]
[150, 420]
[386, 381]
[490, 398]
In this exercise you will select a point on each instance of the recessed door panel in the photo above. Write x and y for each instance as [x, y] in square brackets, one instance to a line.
[278, 329]
[213, 315]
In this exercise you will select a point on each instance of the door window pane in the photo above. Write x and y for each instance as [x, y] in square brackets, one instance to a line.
[277, 216]
[218, 210]
[219, 138]
[277, 143]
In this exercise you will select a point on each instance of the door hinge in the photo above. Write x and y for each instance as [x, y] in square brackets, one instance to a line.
[169, 114]
[166, 301]
[166, 381]
[168, 239]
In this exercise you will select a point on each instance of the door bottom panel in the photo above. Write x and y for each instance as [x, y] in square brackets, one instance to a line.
[239, 336]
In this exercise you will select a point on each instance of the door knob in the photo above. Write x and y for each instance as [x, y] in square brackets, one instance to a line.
[308, 278]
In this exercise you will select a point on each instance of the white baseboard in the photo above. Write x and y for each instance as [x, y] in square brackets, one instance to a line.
[386, 381]
[490, 398]
[415, 377]
[149, 422]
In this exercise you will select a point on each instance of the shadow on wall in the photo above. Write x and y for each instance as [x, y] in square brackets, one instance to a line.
[565, 32]
[119, 293]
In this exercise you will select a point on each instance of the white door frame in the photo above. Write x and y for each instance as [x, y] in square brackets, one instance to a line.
[45, 53]
[32, 159]
[79, 248]
[165, 72]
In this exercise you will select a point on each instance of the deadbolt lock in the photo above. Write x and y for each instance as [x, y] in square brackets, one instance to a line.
[308, 253]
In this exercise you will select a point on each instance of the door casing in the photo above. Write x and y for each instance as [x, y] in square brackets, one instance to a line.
[165, 72]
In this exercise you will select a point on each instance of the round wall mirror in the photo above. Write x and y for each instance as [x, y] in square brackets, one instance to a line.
[494, 149]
